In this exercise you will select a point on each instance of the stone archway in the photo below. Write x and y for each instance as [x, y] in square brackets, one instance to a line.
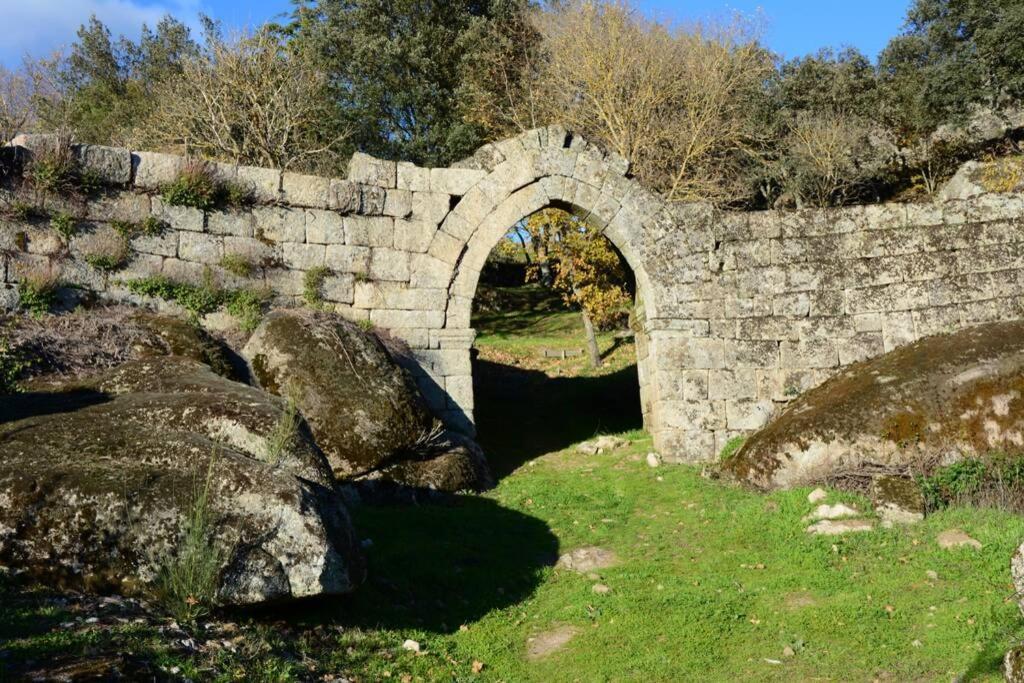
[541, 169]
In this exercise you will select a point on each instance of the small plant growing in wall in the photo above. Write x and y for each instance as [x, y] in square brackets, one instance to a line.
[187, 582]
[194, 186]
[247, 305]
[53, 168]
[312, 286]
[152, 227]
[37, 291]
[237, 265]
[26, 211]
[197, 186]
[65, 225]
[107, 252]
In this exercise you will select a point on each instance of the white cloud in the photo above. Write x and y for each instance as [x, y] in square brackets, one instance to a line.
[39, 27]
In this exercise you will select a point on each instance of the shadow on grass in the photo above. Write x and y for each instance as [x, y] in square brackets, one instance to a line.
[437, 566]
[522, 414]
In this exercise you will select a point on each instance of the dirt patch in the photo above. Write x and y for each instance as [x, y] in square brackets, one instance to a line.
[799, 600]
[549, 642]
[588, 559]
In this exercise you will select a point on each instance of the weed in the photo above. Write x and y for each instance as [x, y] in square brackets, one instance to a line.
[312, 286]
[194, 186]
[37, 291]
[732, 447]
[90, 182]
[65, 225]
[125, 229]
[237, 265]
[187, 583]
[246, 305]
[152, 226]
[53, 168]
[107, 252]
[12, 365]
[25, 211]
[996, 480]
[197, 186]
[197, 299]
[284, 433]
[366, 325]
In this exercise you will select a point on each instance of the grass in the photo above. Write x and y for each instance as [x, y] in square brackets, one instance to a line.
[714, 582]
[246, 304]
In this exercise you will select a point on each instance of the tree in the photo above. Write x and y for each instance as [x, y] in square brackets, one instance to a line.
[672, 102]
[247, 100]
[395, 68]
[104, 88]
[585, 270]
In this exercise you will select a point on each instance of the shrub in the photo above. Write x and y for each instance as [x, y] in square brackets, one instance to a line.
[312, 285]
[997, 479]
[187, 583]
[65, 225]
[90, 182]
[152, 226]
[194, 186]
[237, 265]
[37, 291]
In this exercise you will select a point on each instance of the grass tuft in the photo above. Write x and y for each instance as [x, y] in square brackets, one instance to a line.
[312, 286]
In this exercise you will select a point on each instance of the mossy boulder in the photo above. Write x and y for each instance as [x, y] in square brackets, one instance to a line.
[455, 463]
[939, 400]
[98, 477]
[363, 409]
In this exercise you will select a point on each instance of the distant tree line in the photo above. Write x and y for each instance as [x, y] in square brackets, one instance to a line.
[700, 112]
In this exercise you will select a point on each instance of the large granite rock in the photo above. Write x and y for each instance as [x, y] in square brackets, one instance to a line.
[453, 463]
[927, 404]
[364, 411]
[97, 480]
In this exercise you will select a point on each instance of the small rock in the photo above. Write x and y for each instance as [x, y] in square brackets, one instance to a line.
[585, 560]
[837, 511]
[830, 527]
[932, 575]
[653, 460]
[1013, 665]
[601, 444]
[601, 589]
[891, 515]
[411, 646]
[955, 538]
[816, 496]
[788, 652]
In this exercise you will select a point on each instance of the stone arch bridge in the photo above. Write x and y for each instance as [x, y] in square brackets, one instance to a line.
[740, 311]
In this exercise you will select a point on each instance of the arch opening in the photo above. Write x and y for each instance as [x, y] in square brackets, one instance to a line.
[555, 358]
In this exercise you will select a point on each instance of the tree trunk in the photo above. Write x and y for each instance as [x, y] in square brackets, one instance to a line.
[595, 353]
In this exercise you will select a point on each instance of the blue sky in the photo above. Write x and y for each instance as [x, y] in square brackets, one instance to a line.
[792, 27]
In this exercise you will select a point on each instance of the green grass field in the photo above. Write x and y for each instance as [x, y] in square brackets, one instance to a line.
[713, 583]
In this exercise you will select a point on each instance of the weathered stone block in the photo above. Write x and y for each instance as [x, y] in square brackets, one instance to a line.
[732, 384]
[748, 414]
[363, 168]
[280, 224]
[811, 354]
[419, 319]
[324, 227]
[152, 170]
[427, 271]
[345, 197]
[398, 203]
[414, 236]
[339, 288]
[446, 248]
[389, 264]
[363, 231]
[112, 164]
[165, 244]
[285, 282]
[304, 256]
[860, 347]
[348, 259]
[372, 200]
[200, 248]
[184, 271]
[120, 206]
[236, 223]
[454, 181]
[261, 184]
[305, 190]
[412, 177]
[178, 217]
[40, 240]
[257, 252]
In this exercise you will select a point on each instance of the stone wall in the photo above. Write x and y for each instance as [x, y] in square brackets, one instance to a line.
[741, 312]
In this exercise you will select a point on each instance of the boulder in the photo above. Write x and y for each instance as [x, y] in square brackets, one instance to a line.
[98, 478]
[364, 411]
[1013, 665]
[456, 464]
[925, 405]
